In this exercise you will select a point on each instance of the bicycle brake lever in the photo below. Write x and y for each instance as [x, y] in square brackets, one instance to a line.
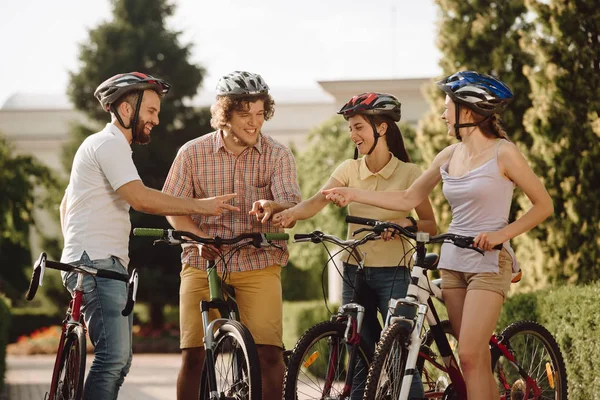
[356, 232]
[477, 249]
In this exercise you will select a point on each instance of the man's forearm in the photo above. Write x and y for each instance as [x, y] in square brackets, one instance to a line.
[185, 223]
[63, 210]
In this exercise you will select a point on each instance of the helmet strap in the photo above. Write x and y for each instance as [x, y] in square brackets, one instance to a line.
[457, 125]
[116, 114]
[136, 116]
[375, 134]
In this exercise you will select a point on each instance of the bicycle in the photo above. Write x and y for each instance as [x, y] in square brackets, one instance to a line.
[330, 360]
[231, 354]
[526, 359]
[69, 367]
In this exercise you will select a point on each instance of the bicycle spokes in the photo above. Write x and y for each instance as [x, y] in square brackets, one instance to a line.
[324, 371]
[69, 375]
[231, 370]
[532, 375]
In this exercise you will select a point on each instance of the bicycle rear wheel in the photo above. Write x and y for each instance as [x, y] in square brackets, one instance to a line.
[237, 367]
[67, 381]
[539, 356]
[319, 363]
[389, 362]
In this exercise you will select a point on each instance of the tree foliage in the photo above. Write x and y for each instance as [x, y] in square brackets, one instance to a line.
[485, 37]
[548, 54]
[137, 39]
[23, 180]
[565, 126]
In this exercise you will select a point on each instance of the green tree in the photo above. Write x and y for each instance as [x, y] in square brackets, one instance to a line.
[24, 182]
[565, 127]
[137, 39]
[485, 37]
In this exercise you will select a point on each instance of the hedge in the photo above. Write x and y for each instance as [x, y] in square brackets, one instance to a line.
[27, 320]
[571, 314]
[4, 327]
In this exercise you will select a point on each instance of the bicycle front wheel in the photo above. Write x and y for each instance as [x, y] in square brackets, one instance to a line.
[67, 381]
[389, 362]
[237, 367]
[319, 364]
[539, 356]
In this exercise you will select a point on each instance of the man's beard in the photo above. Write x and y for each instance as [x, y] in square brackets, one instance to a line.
[140, 136]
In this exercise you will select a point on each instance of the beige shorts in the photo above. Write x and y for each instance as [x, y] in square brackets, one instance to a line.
[490, 281]
[259, 298]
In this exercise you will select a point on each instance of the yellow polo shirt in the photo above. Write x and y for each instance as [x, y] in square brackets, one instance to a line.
[396, 175]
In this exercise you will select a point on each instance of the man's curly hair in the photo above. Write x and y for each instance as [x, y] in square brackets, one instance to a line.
[224, 107]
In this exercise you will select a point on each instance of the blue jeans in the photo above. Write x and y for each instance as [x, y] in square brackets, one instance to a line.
[109, 331]
[383, 283]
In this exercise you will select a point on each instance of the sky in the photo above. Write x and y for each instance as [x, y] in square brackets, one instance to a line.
[291, 44]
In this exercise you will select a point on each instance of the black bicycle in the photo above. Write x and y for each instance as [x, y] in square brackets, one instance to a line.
[330, 360]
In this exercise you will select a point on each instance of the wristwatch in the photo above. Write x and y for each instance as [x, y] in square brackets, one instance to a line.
[412, 220]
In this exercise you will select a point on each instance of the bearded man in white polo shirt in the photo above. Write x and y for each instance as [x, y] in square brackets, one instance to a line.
[94, 213]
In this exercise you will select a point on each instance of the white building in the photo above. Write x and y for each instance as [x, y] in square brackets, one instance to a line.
[39, 124]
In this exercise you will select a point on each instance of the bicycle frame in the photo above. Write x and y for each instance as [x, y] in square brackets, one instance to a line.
[72, 318]
[353, 313]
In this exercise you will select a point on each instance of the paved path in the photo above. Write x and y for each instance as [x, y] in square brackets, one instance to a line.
[152, 377]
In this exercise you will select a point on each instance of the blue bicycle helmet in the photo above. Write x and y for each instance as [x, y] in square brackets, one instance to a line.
[483, 94]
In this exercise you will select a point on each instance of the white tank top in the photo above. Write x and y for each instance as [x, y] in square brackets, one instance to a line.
[480, 201]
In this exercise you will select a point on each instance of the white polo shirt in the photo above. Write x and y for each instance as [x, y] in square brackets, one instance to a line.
[97, 218]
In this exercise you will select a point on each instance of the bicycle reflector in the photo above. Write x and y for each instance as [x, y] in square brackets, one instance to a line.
[550, 375]
[310, 360]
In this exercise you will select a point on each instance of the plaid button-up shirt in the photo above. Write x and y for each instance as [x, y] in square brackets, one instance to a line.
[204, 168]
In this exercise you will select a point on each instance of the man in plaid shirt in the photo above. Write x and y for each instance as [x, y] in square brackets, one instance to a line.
[236, 158]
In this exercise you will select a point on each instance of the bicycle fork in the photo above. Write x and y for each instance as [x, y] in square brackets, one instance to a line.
[209, 349]
[413, 346]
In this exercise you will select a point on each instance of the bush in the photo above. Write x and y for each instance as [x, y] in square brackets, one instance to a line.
[25, 321]
[300, 284]
[570, 314]
[5, 322]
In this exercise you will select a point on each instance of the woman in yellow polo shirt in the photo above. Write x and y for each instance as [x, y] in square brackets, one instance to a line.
[385, 166]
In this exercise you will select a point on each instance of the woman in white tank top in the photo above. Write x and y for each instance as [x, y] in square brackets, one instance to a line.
[479, 174]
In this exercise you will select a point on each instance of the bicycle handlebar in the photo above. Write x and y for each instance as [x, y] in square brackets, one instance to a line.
[175, 237]
[42, 263]
[465, 242]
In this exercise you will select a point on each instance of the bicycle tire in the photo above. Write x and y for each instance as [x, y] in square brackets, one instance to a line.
[546, 368]
[305, 363]
[68, 379]
[235, 348]
[390, 347]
